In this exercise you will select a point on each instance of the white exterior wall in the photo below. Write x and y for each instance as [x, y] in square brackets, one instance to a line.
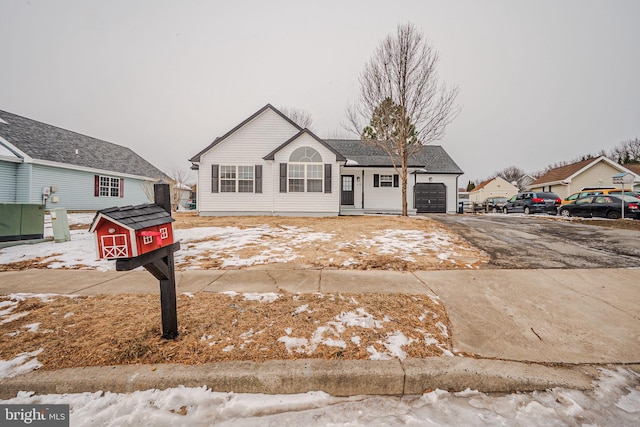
[318, 203]
[384, 198]
[389, 199]
[247, 146]
[449, 180]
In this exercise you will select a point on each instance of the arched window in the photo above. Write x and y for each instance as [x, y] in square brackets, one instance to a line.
[305, 154]
[305, 171]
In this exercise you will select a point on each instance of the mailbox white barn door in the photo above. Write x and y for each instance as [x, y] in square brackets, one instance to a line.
[115, 246]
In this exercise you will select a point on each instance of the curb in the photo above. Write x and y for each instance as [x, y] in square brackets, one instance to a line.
[338, 378]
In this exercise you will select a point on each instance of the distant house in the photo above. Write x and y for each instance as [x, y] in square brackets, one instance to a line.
[268, 165]
[41, 163]
[494, 187]
[635, 168]
[572, 178]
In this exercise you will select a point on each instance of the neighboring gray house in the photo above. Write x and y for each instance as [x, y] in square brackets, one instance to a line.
[268, 165]
[40, 163]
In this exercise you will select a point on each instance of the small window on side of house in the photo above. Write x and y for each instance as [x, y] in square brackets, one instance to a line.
[386, 180]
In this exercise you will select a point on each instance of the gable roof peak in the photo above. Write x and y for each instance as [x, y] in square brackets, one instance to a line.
[218, 140]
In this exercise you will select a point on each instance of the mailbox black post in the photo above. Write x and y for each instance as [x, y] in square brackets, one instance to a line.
[160, 264]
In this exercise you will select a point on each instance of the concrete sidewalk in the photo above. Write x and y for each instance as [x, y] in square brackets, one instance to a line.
[528, 329]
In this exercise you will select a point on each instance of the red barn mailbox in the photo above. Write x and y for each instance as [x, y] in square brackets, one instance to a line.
[131, 231]
[142, 236]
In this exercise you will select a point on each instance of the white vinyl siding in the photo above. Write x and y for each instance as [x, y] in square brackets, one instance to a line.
[251, 143]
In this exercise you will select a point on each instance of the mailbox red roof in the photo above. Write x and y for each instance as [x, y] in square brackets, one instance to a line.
[135, 217]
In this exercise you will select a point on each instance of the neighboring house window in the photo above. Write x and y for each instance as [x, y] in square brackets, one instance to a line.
[305, 171]
[164, 233]
[107, 186]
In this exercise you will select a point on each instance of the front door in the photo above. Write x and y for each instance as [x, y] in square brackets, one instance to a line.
[346, 190]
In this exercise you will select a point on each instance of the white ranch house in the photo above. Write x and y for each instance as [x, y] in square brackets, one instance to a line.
[268, 165]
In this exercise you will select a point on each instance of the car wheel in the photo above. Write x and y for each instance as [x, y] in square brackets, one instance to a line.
[613, 215]
[527, 210]
[565, 213]
[505, 211]
[494, 210]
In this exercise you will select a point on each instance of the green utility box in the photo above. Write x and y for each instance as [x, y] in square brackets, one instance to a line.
[21, 221]
[60, 225]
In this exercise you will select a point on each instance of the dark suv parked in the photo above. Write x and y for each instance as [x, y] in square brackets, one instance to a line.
[533, 202]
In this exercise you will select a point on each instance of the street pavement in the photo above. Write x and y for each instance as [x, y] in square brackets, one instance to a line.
[521, 329]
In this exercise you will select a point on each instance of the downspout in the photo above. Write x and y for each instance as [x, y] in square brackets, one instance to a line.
[362, 190]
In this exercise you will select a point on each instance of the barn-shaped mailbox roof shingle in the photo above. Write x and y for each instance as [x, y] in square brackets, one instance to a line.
[135, 217]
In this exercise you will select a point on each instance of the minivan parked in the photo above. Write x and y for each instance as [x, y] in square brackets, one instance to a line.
[533, 202]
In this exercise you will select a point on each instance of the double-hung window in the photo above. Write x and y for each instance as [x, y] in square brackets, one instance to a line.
[236, 179]
[227, 179]
[245, 179]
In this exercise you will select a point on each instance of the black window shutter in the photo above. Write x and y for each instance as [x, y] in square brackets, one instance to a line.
[258, 182]
[214, 178]
[96, 185]
[396, 180]
[376, 180]
[121, 187]
[327, 178]
[283, 177]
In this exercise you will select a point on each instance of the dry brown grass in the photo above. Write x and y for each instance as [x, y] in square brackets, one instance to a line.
[349, 247]
[125, 329]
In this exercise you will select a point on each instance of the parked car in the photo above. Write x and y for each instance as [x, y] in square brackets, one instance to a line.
[491, 204]
[592, 191]
[603, 206]
[533, 202]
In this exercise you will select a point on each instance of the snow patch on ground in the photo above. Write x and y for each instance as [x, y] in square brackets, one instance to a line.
[614, 400]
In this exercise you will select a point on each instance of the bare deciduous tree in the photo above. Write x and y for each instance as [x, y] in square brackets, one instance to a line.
[511, 174]
[626, 152]
[299, 116]
[178, 177]
[401, 101]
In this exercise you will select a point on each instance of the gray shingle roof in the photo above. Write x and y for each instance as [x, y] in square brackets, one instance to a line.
[46, 142]
[431, 158]
[137, 217]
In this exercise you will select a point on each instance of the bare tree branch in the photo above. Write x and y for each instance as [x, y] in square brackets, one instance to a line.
[299, 116]
[402, 100]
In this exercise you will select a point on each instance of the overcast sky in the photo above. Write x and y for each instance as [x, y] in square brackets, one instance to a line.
[540, 81]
